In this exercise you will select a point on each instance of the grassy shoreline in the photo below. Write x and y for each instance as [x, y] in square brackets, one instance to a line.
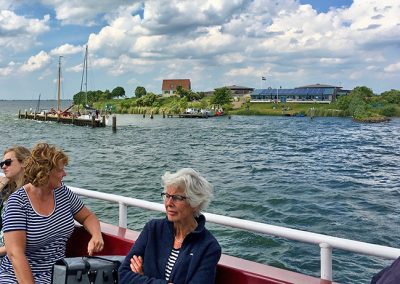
[175, 106]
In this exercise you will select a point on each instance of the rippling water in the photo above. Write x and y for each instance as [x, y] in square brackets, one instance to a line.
[326, 175]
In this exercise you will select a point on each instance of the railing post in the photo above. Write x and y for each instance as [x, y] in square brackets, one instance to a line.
[326, 261]
[123, 213]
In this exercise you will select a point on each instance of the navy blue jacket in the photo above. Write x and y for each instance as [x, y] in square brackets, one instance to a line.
[196, 263]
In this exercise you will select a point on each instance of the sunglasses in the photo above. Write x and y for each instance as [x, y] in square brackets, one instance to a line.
[5, 162]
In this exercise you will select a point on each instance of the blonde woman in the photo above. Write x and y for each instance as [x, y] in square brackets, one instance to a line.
[11, 166]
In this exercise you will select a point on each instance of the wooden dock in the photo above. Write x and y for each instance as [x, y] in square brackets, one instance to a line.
[65, 119]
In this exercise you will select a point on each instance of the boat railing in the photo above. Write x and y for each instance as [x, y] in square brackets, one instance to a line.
[325, 242]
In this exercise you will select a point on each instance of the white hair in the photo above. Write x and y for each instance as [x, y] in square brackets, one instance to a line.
[197, 189]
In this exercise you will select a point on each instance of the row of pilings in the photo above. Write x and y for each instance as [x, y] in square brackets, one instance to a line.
[74, 120]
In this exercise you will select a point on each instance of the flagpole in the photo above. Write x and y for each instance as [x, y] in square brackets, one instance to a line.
[263, 78]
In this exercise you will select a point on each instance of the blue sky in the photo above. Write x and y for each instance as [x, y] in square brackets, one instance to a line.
[213, 43]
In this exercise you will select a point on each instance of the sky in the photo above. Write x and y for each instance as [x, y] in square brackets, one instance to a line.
[214, 43]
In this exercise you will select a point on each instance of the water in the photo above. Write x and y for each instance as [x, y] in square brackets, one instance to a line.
[326, 175]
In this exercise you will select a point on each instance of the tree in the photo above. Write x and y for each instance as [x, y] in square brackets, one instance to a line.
[147, 100]
[356, 101]
[118, 92]
[362, 91]
[79, 98]
[221, 96]
[140, 92]
[392, 96]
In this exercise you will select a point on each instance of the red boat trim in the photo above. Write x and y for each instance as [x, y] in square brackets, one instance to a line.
[118, 241]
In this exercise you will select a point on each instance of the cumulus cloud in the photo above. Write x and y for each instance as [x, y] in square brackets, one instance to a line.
[83, 12]
[236, 33]
[215, 40]
[9, 69]
[242, 71]
[393, 68]
[66, 49]
[36, 62]
[18, 33]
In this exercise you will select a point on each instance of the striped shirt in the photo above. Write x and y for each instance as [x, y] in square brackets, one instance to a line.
[171, 262]
[46, 236]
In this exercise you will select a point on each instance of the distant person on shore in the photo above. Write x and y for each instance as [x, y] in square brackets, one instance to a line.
[11, 165]
[177, 249]
[39, 219]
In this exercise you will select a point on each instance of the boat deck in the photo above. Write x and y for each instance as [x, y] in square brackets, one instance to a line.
[118, 241]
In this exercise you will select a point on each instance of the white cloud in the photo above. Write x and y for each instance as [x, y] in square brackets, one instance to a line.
[372, 67]
[233, 34]
[19, 33]
[5, 4]
[242, 72]
[211, 41]
[83, 12]
[66, 49]
[330, 61]
[5, 71]
[393, 68]
[36, 62]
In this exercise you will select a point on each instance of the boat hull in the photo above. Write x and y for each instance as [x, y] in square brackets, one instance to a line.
[118, 241]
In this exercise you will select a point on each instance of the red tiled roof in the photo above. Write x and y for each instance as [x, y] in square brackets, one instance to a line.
[172, 84]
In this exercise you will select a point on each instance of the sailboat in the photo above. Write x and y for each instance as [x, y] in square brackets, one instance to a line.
[63, 116]
[90, 111]
[66, 112]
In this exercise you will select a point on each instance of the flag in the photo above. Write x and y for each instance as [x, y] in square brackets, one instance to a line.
[263, 78]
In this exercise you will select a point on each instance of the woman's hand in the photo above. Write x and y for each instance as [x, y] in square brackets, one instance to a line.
[95, 244]
[137, 264]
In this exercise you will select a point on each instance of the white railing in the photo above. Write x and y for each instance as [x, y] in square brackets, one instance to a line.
[325, 242]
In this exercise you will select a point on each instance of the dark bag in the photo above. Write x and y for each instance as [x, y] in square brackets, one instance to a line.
[87, 270]
[388, 275]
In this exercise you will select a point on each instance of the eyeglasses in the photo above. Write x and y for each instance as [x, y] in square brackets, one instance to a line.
[174, 198]
[5, 162]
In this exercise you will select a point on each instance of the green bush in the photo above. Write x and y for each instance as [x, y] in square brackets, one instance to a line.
[388, 111]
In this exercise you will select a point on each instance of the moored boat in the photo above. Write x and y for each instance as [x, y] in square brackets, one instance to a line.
[199, 113]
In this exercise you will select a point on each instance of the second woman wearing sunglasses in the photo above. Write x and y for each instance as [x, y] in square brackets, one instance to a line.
[14, 178]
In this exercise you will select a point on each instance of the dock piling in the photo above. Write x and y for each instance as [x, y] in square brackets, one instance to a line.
[114, 123]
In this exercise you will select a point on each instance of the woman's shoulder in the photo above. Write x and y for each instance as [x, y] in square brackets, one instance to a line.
[18, 199]
[19, 194]
[63, 190]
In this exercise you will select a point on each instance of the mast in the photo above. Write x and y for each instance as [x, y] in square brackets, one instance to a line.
[38, 105]
[84, 73]
[59, 84]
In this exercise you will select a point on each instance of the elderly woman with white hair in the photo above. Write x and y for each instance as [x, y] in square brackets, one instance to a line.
[177, 249]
